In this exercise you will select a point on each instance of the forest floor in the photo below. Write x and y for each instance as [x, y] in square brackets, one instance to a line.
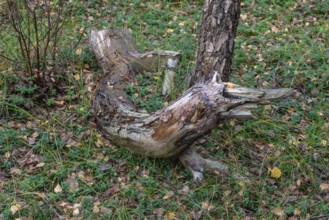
[55, 164]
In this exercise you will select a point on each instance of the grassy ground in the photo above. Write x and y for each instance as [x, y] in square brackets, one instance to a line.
[54, 163]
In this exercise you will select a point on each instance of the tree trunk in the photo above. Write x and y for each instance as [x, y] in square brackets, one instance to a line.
[216, 40]
[172, 130]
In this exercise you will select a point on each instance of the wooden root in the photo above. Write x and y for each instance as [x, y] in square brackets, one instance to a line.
[171, 130]
[197, 164]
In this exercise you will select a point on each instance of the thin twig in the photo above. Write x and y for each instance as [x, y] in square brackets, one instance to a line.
[319, 216]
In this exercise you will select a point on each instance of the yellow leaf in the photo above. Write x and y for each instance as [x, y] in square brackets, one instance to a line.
[76, 77]
[297, 211]
[170, 215]
[7, 154]
[78, 52]
[276, 173]
[99, 142]
[170, 30]
[96, 209]
[230, 85]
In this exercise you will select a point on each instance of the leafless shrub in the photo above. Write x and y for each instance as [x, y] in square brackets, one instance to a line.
[37, 25]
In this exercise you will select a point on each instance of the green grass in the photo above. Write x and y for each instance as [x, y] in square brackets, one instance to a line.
[279, 44]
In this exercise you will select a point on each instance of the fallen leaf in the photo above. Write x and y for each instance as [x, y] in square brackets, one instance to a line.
[73, 182]
[42, 164]
[324, 187]
[170, 30]
[59, 102]
[76, 77]
[276, 173]
[206, 206]
[35, 135]
[76, 205]
[63, 204]
[243, 16]
[99, 142]
[31, 159]
[158, 212]
[230, 85]
[184, 191]
[7, 154]
[114, 189]
[76, 212]
[196, 215]
[297, 211]
[58, 189]
[96, 209]
[106, 211]
[278, 211]
[15, 171]
[78, 52]
[31, 141]
[170, 215]
[168, 195]
[15, 208]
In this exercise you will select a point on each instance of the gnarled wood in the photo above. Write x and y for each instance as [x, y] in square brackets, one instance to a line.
[171, 130]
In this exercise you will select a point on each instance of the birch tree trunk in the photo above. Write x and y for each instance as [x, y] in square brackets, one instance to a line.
[171, 131]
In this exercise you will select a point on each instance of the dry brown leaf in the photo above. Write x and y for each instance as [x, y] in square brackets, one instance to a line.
[42, 164]
[73, 182]
[297, 211]
[31, 141]
[170, 215]
[324, 187]
[78, 52]
[15, 171]
[96, 209]
[278, 211]
[184, 191]
[35, 135]
[206, 206]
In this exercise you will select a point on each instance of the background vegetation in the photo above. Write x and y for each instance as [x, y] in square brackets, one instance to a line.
[55, 164]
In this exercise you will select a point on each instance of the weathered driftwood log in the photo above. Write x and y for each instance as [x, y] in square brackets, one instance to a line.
[171, 131]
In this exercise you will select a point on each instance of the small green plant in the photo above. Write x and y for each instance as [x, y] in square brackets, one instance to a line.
[147, 94]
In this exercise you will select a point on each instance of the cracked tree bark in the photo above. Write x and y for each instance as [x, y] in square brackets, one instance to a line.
[171, 131]
[220, 20]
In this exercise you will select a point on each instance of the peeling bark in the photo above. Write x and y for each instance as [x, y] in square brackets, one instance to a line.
[216, 40]
[172, 130]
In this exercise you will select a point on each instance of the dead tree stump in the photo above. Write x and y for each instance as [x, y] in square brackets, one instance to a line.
[171, 131]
